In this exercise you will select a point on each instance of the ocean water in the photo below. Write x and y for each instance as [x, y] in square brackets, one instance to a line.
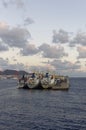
[43, 109]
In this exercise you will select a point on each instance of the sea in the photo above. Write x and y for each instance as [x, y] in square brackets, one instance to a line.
[42, 109]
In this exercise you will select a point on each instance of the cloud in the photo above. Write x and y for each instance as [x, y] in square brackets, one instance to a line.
[30, 49]
[79, 39]
[14, 37]
[73, 39]
[46, 50]
[82, 51]
[38, 68]
[52, 51]
[17, 3]
[28, 21]
[60, 37]
[3, 47]
[61, 68]
[4, 64]
[5, 4]
[18, 66]
[65, 65]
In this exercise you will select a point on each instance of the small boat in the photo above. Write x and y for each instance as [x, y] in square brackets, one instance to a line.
[61, 83]
[32, 83]
[46, 82]
[29, 82]
[22, 82]
[54, 82]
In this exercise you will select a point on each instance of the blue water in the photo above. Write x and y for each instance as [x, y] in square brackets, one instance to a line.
[43, 109]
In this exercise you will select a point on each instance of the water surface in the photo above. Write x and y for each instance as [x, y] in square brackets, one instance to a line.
[43, 109]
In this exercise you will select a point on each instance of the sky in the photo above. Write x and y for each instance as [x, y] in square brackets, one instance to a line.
[43, 35]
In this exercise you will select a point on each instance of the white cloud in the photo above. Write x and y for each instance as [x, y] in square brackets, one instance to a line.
[82, 51]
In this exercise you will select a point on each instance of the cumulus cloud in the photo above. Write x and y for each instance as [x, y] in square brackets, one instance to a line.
[79, 38]
[66, 37]
[3, 47]
[62, 68]
[52, 51]
[30, 49]
[65, 65]
[14, 37]
[60, 37]
[82, 51]
[46, 50]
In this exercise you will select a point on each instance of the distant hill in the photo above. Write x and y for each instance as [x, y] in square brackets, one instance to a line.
[13, 72]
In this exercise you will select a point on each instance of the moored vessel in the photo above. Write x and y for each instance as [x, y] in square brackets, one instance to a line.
[61, 83]
[28, 82]
[44, 81]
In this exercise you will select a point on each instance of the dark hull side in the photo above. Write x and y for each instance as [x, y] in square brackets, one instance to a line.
[38, 86]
